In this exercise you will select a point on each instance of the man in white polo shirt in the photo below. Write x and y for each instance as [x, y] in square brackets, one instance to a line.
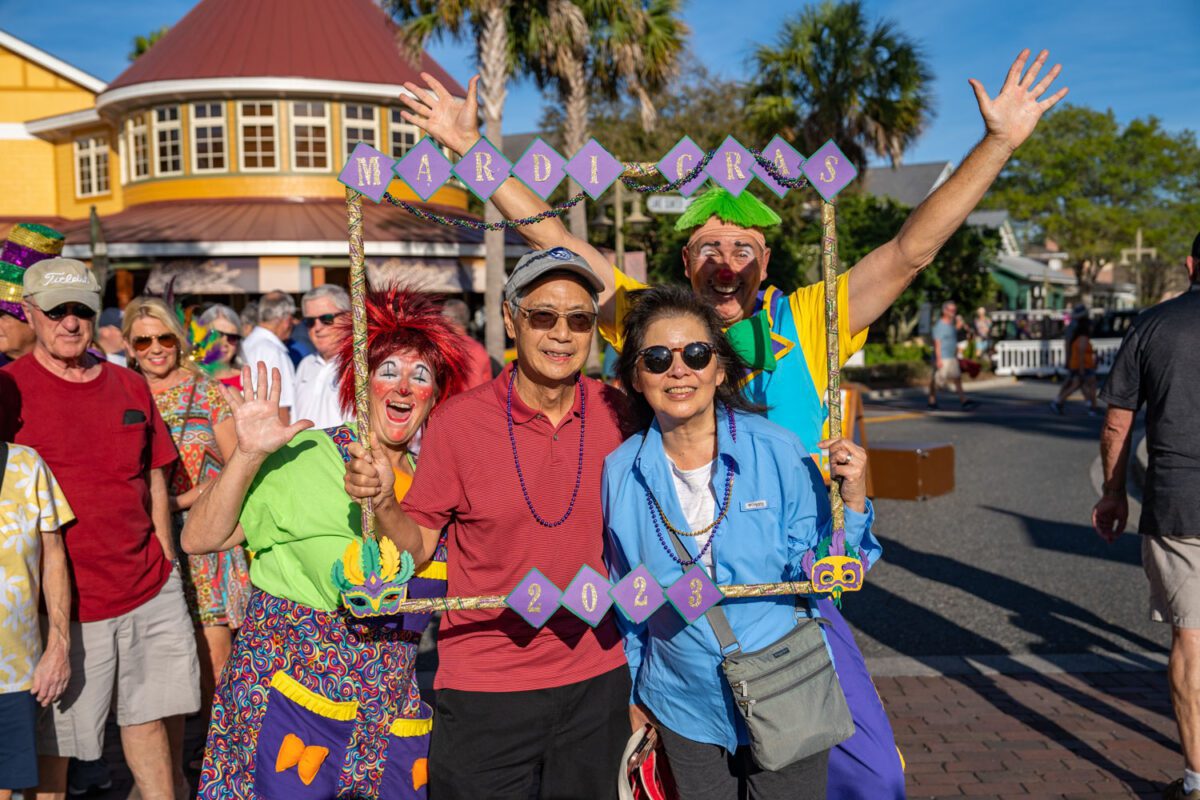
[317, 375]
[276, 320]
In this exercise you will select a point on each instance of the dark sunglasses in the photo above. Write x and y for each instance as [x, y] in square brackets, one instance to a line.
[63, 310]
[325, 319]
[232, 338]
[543, 319]
[657, 359]
[168, 340]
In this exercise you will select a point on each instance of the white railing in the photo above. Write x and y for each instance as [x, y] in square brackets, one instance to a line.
[1047, 356]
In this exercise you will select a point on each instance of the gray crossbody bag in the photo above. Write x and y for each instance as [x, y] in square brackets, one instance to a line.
[788, 692]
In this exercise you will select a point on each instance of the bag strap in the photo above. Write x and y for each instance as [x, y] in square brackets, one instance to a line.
[715, 616]
[3, 462]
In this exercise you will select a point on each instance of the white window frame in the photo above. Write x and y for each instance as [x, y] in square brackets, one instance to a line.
[243, 121]
[294, 120]
[208, 122]
[398, 125]
[170, 125]
[92, 150]
[362, 124]
[133, 126]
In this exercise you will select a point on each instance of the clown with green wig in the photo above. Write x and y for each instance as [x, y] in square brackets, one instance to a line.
[782, 336]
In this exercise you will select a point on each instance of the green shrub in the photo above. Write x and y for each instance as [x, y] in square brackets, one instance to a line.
[880, 353]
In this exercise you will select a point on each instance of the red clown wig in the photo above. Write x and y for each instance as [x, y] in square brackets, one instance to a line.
[403, 319]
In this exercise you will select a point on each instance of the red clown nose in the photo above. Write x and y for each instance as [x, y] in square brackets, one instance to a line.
[725, 275]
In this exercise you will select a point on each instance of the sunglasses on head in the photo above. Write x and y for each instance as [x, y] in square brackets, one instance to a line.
[325, 319]
[657, 359]
[168, 340]
[63, 310]
[543, 319]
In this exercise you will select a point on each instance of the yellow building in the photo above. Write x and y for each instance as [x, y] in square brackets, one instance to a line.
[213, 158]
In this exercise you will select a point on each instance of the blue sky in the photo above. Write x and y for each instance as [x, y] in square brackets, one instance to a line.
[1138, 58]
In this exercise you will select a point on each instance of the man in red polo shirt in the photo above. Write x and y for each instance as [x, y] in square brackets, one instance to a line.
[512, 469]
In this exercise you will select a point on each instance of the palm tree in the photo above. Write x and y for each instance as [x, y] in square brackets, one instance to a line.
[488, 23]
[831, 73]
[612, 46]
[143, 43]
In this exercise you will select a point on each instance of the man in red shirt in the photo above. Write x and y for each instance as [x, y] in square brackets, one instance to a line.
[97, 427]
[512, 470]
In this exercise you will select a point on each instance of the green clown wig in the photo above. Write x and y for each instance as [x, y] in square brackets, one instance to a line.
[745, 210]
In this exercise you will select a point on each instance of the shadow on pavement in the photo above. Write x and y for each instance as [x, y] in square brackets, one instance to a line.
[1076, 540]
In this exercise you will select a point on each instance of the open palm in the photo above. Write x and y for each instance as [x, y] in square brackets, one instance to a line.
[256, 420]
[451, 121]
[1014, 113]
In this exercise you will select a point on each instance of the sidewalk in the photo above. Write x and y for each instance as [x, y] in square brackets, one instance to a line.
[1098, 735]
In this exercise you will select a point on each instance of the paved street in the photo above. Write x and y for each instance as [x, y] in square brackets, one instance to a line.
[1010, 644]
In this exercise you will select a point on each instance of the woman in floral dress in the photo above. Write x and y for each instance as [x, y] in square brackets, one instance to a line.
[217, 585]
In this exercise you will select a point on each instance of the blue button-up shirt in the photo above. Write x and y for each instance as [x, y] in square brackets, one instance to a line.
[778, 511]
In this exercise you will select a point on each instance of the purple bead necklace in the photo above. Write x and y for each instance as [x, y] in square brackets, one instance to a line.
[656, 511]
[512, 439]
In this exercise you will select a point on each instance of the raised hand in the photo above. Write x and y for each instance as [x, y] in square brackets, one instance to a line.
[452, 122]
[260, 432]
[1013, 114]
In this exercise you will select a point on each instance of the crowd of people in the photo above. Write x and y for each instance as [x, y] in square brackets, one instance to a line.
[193, 528]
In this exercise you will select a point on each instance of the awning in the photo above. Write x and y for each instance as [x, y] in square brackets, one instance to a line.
[448, 275]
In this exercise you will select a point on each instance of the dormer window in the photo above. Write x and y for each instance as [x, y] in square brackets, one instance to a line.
[208, 137]
[168, 141]
[360, 123]
[310, 137]
[259, 130]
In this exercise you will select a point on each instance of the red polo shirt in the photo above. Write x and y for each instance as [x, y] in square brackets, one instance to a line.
[467, 479]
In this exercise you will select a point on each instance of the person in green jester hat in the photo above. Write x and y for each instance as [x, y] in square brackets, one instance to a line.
[782, 337]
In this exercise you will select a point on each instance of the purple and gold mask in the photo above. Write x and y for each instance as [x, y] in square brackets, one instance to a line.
[832, 569]
[372, 577]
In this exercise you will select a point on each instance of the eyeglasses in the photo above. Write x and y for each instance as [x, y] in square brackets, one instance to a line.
[658, 359]
[543, 319]
[325, 319]
[232, 338]
[169, 341]
[64, 310]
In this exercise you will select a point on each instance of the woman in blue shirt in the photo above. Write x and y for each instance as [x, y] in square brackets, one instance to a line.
[748, 503]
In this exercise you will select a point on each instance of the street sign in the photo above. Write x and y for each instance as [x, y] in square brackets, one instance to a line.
[667, 203]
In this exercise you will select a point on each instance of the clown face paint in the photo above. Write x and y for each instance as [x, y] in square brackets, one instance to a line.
[726, 265]
[403, 391]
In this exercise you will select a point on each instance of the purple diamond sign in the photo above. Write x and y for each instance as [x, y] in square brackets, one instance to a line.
[638, 595]
[536, 598]
[684, 157]
[786, 160]
[541, 168]
[829, 170]
[367, 171]
[693, 594]
[587, 596]
[732, 166]
[594, 168]
[483, 169]
[424, 168]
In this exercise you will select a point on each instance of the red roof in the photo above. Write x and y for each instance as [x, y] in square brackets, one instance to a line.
[345, 40]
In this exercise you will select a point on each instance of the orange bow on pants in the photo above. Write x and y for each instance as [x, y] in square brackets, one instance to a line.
[307, 759]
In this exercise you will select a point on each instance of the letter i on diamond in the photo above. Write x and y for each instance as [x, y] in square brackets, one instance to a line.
[536, 598]
[483, 169]
[587, 597]
[638, 594]
[693, 594]
[594, 169]
[367, 171]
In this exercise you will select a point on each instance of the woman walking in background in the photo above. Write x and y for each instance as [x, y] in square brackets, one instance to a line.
[217, 585]
[1081, 361]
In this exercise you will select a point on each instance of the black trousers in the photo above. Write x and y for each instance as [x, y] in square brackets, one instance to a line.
[565, 742]
[710, 772]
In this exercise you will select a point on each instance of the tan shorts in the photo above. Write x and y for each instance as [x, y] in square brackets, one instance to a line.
[948, 372]
[1172, 565]
[145, 659]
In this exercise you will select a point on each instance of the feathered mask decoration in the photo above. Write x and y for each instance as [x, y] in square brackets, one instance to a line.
[833, 567]
[372, 577]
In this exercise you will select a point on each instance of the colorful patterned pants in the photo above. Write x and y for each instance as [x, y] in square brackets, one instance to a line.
[310, 708]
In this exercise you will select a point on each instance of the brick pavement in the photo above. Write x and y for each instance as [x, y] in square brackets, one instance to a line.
[1053, 735]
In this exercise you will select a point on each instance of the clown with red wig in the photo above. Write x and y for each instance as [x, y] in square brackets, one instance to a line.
[315, 702]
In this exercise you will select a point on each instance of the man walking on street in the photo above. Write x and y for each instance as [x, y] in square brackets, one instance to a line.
[131, 644]
[1158, 366]
[945, 357]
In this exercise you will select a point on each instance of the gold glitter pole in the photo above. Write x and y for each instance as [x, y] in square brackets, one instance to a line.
[487, 601]
[358, 311]
[829, 269]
